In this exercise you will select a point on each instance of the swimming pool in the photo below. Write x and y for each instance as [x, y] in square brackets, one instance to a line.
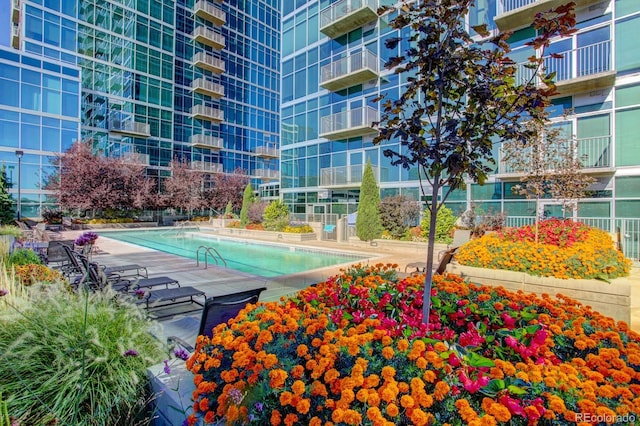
[264, 259]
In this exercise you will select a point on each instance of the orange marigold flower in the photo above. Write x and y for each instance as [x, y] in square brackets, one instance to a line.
[407, 401]
[285, 398]
[209, 417]
[337, 415]
[441, 390]
[429, 376]
[388, 373]
[393, 410]
[387, 352]
[277, 378]
[276, 418]
[440, 347]
[203, 405]
[421, 363]
[269, 361]
[303, 406]
[500, 412]
[403, 345]
[291, 419]
[298, 387]
[374, 414]
[352, 417]
[315, 421]
[419, 417]
[302, 350]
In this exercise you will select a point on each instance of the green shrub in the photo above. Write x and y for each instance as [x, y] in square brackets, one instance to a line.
[397, 213]
[10, 230]
[444, 224]
[23, 256]
[368, 222]
[276, 216]
[247, 200]
[56, 370]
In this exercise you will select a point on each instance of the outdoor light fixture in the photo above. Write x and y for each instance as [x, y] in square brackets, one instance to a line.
[19, 154]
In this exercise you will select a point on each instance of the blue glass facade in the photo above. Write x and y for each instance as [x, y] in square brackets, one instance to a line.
[332, 53]
[194, 80]
[39, 115]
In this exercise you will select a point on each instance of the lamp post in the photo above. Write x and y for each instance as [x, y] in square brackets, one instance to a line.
[19, 154]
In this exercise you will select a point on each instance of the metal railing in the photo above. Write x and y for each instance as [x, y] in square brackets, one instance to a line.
[266, 173]
[205, 166]
[350, 64]
[209, 60]
[206, 141]
[342, 9]
[345, 175]
[208, 86]
[595, 152]
[505, 6]
[580, 62]
[213, 113]
[129, 126]
[267, 151]
[209, 9]
[209, 251]
[209, 35]
[349, 119]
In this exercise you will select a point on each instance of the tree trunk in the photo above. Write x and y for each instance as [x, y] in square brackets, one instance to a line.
[428, 272]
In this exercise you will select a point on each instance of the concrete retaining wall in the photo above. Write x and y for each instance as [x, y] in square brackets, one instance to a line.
[611, 299]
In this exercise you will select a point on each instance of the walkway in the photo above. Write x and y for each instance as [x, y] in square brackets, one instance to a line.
[218, 281]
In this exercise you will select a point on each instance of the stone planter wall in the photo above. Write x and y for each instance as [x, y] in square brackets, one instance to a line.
[611, 299]
[267, 235]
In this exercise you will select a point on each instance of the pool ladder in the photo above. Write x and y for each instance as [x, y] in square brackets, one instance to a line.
[209, 251]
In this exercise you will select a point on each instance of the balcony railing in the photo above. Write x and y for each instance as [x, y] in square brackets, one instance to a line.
[207, 11]
[594, 154]
[349, 123]
[205, 166]
[515, 14]
[15, 36]
[349, 71]
[208, 62]
[207, 113]
[267, 151]
[15, 11]
[587, 60]
[345, 176]
[206, 141]
[136, 158]
[346, 15]
[129, 127]
[209, 88]
[209, 37]
[266, 174]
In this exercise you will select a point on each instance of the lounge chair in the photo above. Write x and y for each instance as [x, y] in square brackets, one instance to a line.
[460, 236]
[218, 310]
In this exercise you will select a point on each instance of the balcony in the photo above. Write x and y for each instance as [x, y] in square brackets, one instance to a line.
[15, 11]
[206, 141]
[129, 127]
[136, 158]
[346, 72]
[209, 63]
[594, 154]
[209, 37]
[583, 69]
[15, 36]
[266, 174]
[346, 15]
[208, 88]
[267, 152]
[345, 176]
[202, 112]
[349, 123]
[516, 14]
[206, 167]
[206, 10]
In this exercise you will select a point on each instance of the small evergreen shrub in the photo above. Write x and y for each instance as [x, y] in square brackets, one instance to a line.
[397, 213]
[445, 222]
[276, 216]
[23, 256]
[368, 222]
[247, 200]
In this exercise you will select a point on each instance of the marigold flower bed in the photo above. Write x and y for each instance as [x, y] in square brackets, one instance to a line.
[353, 350]
[566, 249]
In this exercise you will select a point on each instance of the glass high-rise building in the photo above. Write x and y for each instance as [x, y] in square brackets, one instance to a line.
[332, 56]
[160, 79]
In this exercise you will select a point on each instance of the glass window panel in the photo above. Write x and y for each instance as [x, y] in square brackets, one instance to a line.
[9, 133]
[70, 105]
[51, 101]
[627, 208]
[30, 136]
[50, 139]
[627, 148]
[594, 209]
[30, 98]
[10, 92]
[626, 7]
[628, 95]
[52, 33]
[627, 47]
[628, 187]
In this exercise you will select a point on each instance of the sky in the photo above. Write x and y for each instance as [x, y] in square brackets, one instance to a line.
[5, 22]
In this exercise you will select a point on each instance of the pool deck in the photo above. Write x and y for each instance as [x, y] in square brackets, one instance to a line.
[216, 281]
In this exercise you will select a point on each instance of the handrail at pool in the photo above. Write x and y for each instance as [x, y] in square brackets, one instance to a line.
[208, 251]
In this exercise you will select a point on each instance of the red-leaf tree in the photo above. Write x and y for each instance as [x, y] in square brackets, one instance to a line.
[227, 188]
[184, 189]
[461, 95]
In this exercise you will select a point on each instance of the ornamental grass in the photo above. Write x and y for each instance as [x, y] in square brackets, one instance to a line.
[565, 249]
[353, 351]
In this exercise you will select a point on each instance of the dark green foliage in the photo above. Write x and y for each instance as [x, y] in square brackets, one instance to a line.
[22, 256]
[7, 212]
[368, 222]
[461, 95]
[228, 211]
[397, 213]
[276, 216]
[247, 200]
[444, 224]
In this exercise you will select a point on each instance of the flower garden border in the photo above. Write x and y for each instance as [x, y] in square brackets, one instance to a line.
[611, 299]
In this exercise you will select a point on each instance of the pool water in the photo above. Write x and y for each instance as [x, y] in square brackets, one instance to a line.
[266, 260]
